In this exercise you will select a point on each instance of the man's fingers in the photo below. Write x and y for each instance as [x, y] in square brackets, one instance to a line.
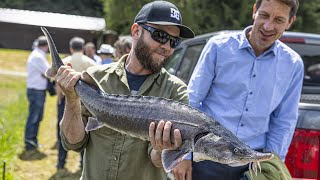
[166, 135]
[151, 134]
[158, 136]
[71, 79]
[182, 176]
[69, 64]
[189, 175]
[177, 138]
[176, 176]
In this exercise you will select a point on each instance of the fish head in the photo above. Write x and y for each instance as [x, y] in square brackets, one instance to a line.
[226, 150]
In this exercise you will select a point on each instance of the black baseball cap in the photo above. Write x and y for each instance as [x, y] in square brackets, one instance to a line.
[163, 13]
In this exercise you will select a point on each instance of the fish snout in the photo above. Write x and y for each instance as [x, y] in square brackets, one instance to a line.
[260, 156]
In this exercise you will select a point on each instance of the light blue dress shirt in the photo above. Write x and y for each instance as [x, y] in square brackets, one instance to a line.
[106, 61]
[255, 97]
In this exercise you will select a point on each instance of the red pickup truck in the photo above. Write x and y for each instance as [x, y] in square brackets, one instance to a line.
[303, 158]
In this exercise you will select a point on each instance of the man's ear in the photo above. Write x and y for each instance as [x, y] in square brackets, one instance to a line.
[291, 21]
[254, 11]
[135, 30]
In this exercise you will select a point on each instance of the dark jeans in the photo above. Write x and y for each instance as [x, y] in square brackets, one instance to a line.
[62, 153]
[36, 100]
[211, 170]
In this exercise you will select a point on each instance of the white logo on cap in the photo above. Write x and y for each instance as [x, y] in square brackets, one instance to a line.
[175, 14]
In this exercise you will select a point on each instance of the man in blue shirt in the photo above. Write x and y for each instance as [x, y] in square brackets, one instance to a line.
[251, 83]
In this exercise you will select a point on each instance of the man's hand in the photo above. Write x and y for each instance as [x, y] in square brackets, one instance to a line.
[160, 139]
[66, 78]
[183, 171]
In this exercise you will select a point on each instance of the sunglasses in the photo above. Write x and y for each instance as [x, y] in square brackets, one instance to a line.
[161, 36]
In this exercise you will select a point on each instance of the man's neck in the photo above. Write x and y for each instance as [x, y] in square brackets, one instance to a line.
[133, 65]
[254, 46]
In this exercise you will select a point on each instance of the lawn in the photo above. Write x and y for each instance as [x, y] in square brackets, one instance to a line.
[14, 60]
[13, 114]
[13, 110]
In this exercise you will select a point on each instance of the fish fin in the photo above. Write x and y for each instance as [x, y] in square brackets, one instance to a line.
[170, 158]
[93, 124]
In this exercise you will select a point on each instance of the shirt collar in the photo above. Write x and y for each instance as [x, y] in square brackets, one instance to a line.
[41, 51]
[244, 43]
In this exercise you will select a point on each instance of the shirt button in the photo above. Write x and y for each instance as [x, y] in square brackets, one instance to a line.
[115, 158]
[254, 75]
[251, 93]
[241, 125]
[247, 109]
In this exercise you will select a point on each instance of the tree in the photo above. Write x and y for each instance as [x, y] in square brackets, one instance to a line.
[92, 8]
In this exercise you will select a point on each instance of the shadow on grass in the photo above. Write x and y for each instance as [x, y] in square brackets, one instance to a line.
[64, 174]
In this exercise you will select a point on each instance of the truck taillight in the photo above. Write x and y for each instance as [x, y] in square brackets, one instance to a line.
[303, 159]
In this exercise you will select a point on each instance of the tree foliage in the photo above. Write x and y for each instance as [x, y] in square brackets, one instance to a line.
[92, 8]
[201, 15]
[209, 15]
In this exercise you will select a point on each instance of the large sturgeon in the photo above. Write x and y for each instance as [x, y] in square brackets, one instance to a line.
[132, 115]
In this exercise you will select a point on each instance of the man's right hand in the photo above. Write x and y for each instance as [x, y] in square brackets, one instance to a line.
[67, 78]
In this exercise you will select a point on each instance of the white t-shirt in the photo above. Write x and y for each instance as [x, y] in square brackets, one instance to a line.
[37, 65]
[79, 61]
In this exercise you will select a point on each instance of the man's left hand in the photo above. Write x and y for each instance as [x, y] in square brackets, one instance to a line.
[183, 171]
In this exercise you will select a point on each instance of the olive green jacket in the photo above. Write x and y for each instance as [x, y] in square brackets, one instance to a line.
[273, 169]
[115, 156]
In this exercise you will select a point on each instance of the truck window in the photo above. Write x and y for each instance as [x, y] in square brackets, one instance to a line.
[310, 54]
[173, 61]
[189, 62]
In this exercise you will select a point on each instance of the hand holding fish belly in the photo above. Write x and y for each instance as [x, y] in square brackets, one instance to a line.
[160, 140]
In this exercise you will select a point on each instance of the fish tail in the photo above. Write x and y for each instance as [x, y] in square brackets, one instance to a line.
[56, 61]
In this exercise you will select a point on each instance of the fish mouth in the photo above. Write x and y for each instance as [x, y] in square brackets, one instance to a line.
[257, 157]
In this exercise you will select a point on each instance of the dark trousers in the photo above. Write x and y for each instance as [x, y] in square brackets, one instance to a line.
[62, 153]
[36, 100]
[210, 170]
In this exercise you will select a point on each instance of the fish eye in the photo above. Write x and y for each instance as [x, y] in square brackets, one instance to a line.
[235, 150]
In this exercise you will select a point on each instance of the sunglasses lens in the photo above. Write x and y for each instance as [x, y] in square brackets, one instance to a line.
[160, 36]
[175, 42]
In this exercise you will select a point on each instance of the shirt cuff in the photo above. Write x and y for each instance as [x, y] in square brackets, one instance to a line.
[188, 157]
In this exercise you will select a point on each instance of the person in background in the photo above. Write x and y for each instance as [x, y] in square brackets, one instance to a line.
[37, 65]
[79, 62]
[251, 83]
[90, 51]
[122, 46]
[156, 31]
[106, 53]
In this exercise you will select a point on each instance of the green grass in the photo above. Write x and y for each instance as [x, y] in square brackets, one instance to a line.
[13, 115]
[14, 60]
[13, 112]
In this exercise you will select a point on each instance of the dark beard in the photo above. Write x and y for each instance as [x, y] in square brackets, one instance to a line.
[144, 53]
